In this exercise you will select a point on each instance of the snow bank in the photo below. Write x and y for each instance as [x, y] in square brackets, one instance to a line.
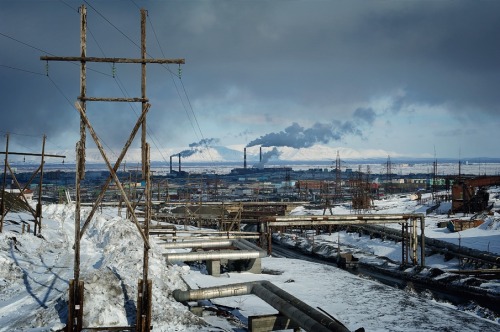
[35, 273]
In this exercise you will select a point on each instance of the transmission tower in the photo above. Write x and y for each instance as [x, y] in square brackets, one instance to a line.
[338, 180]
[388, 181]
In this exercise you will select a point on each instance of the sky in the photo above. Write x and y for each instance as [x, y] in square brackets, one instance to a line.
[403, 78]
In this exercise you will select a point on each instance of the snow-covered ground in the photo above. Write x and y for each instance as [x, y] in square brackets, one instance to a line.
[34, 275]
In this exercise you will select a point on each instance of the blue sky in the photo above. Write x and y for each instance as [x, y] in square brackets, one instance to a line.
[408, 78]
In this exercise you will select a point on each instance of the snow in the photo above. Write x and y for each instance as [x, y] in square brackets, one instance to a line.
[35, 272]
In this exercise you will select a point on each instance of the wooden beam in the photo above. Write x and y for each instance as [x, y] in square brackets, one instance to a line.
[99, 199]
[124, 100]
[111, 60]
[33, 154]
[112, 172]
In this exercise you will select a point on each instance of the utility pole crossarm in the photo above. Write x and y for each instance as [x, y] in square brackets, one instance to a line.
[111, 60]
[33, 154]
[126, 100]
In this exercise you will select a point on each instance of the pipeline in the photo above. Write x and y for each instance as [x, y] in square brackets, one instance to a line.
[247, 245]
[214, 255]
[440, 246]
[208, 238]
[197, 244]
[297, 311]
[204, 243]
[318, 316]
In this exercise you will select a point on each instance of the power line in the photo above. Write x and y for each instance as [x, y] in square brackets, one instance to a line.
[125, 93]
[185, 93]
[40, 50]
[25, 44]
[114, 26]
[135, 4]
[75, 9]
[23, 70]
[60, 91]
[149, 131]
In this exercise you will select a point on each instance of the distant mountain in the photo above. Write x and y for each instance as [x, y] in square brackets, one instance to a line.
[315, 153]
[234, 154]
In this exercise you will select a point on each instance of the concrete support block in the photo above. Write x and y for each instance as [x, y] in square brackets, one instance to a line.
[198, 311]
[266, 323]
[213, 268]
[254, 266]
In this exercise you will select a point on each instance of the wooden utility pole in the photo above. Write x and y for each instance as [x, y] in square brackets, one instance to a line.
[40, 184]
[37, 214]
[2, 207]
[143, 321]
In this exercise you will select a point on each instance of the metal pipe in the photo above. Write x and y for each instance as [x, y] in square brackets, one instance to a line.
[214, 255]
[246, 245]
[173, 237]
[289, 309]
[198, 244]
[297, 311]
[310, 311]
[223, 233]
[213, 292]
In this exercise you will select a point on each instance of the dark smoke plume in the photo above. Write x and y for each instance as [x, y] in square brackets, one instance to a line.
[187, 153]
[296, 136]
[266, 156]
[204, 142]
[198, 146]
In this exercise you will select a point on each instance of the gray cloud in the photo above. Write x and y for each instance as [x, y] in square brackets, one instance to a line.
[280, 53]
[365, 114]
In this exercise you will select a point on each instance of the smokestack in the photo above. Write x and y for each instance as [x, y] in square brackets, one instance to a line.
[179, 162]
[171, 164]
[245, 158]
[260, 158]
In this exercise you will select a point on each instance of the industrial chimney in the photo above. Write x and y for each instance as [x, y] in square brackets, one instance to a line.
[171, 164]
[245, 158]
[260, 158]
[179, 162]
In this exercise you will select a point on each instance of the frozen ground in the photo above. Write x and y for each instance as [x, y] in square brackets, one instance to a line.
[34, 274]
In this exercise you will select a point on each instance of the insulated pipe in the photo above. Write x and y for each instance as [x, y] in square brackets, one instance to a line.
[243, 246]
[213, 292]
[310, 311]
[290, 310]
[297, 311]
[214, 255]
[246, 245]
[197, 244]
[183, 238]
